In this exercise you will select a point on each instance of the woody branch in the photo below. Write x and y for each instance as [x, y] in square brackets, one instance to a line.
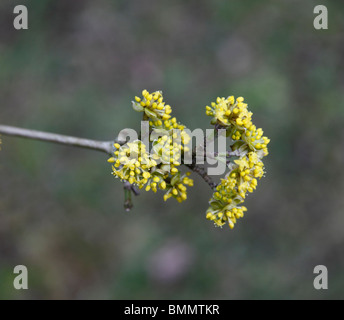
[103, 146]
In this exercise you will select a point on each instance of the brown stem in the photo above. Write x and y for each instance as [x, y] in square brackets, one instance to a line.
[203, 173]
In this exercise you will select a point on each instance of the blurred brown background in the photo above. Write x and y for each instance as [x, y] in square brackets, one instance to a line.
[75, 71]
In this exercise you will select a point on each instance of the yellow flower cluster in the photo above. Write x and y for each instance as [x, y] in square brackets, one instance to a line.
[172, 144]
[178, 187]
[234, 116]
[131, 162]
[251, 146]
[153, 105]
[158, 169]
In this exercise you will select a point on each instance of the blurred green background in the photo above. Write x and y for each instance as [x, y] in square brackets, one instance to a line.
[75, 71]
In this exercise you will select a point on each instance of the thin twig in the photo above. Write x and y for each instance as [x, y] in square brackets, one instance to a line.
[104, 146]
[128, 204]
[203, 173]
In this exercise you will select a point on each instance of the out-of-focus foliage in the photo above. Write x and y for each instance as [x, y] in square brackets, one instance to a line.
[75, 72]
